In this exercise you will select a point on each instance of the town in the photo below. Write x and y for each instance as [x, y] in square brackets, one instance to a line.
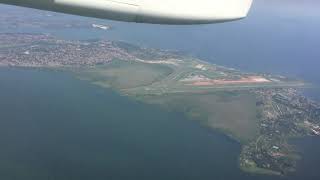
[44, 51]
[284, 114]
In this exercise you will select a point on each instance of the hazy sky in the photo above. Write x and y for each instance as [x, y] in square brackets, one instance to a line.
[289, 7]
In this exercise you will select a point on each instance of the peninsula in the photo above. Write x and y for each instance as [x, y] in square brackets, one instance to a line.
[260, 111]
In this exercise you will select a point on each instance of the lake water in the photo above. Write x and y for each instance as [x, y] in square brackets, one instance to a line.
[54, 126]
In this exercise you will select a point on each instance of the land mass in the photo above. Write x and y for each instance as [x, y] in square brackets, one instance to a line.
[261, 111]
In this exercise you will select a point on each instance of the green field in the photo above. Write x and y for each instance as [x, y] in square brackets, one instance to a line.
[125, 74]
[228, 108]
[234, 113]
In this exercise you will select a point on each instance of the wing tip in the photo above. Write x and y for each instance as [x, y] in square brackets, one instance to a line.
[247, 8]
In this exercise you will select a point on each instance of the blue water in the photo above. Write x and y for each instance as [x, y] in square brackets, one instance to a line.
[53, 126]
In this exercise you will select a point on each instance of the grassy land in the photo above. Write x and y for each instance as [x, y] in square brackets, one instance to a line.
[252, 168]
[233, 113]
[229, 108]
[125, 74]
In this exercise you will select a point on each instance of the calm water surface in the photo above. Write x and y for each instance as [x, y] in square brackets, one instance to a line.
[53, 126]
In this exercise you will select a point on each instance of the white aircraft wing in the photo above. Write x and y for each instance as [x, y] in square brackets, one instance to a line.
[147, 11]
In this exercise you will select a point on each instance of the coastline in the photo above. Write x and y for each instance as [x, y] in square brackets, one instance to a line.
[242, 105]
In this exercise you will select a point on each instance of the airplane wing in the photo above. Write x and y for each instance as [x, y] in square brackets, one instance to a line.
[147, 11]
